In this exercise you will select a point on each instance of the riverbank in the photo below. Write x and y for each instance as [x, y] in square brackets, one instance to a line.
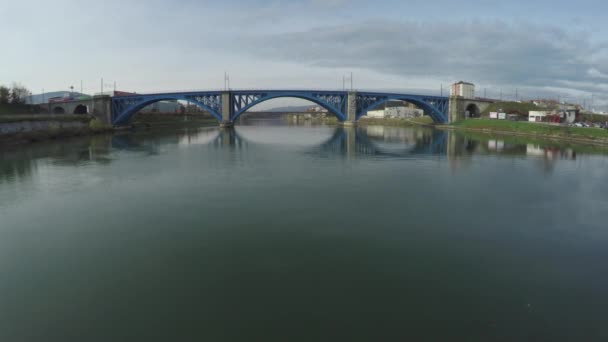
[15, 129]
[535, 130]
[26, 128]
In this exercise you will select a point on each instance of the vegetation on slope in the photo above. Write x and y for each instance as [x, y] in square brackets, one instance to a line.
[518, 108]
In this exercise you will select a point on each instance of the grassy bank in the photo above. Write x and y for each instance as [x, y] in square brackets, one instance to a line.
[595, 135]
[423, 120]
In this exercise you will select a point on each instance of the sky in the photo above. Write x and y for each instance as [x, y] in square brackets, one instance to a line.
[534, 48]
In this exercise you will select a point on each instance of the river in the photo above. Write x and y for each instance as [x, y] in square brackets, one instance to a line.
[303, 233]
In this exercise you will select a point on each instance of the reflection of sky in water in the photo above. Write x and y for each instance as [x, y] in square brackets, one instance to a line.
[290, 136]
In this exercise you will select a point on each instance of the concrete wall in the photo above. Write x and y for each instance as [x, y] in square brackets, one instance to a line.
[98, 106]
[35, 126]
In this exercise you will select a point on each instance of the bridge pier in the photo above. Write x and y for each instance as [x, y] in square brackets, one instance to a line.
[459, 107]
[351, 109]
[455, 109]
[227, 110]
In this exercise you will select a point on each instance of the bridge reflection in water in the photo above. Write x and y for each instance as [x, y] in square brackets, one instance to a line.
[349, 142]
[356, 142]
[345, 142]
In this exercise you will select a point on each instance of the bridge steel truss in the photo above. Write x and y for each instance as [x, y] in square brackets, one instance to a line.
[336, 102]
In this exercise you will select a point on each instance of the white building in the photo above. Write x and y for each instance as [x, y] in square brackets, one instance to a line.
[463, 89]
[376, 113]
[400, 112]
[537, 116]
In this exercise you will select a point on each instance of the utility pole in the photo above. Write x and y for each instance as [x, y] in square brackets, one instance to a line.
[441, 89]
[516, 94]
[351, 81]
[80, 87]
[43, 99]
[114, 86]
[226, 81]
[343, 83]
[485, 93]
[102, 86]
[500, 94]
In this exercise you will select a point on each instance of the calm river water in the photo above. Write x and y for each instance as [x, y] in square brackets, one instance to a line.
[294, 233]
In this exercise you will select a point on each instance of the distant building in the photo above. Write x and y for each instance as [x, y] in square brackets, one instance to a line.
[537, 116]
[398, 112]
[463, 89]
[316, 109]
[379, 113]
[562, 116]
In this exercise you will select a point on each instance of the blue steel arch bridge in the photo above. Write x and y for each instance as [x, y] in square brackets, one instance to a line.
[228, 106]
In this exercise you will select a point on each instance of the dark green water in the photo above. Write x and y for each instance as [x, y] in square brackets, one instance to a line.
[273, 233]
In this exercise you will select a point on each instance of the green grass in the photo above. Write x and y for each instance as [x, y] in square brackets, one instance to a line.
[530, 128]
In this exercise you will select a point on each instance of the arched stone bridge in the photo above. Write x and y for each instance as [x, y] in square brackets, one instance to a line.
[227, 106]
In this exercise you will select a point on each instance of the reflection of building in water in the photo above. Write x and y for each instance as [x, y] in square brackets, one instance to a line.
[460, 149]
[393, 134]
[496, 145]
[550, 153]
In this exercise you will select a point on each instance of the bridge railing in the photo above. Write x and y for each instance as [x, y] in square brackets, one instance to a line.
[368, 90]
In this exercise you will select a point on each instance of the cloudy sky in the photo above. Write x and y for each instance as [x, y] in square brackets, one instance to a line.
[540, 47]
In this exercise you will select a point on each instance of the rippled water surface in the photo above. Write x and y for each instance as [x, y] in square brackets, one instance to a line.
[277, 233]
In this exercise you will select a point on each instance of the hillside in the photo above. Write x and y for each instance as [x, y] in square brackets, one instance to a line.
[510, 108]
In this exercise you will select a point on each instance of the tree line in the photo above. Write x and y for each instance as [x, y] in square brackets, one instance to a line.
[16, 94]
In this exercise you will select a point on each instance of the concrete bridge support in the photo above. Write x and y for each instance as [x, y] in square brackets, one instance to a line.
[460, 106]
[227, 110]
[455, 109]
[351, 109]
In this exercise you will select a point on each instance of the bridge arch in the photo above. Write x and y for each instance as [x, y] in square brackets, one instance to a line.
[431, 110]
[472, 111]
[308, 97]
[81, 109]
[126, 115]
[58, 110]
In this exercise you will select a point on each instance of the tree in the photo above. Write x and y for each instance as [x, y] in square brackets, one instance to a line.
[5, 95]
[18, 94]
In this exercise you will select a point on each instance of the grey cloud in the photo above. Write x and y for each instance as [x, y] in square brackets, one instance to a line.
[497, 54]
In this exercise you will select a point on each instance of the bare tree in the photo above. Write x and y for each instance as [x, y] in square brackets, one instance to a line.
[5, 95]
[18, 94]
